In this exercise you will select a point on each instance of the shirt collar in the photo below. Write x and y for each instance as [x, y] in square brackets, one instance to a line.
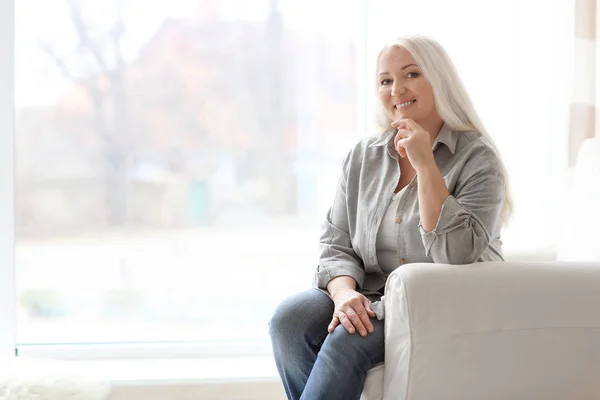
[386, 139]
[446, 136]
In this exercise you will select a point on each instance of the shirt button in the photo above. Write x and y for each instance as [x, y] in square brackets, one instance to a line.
[398, 220]
[412, 184]
[402, 261]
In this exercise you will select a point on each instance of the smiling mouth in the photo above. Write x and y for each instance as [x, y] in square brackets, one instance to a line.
[401, 106]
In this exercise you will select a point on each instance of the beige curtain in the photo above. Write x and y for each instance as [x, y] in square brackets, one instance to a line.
[585, 115]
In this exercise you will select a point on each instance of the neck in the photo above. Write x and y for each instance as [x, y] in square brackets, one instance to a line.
[433, 126]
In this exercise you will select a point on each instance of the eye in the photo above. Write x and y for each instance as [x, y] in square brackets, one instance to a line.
[412, 75]
[386, 82]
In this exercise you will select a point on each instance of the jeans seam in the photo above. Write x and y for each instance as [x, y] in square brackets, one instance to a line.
[319, 340]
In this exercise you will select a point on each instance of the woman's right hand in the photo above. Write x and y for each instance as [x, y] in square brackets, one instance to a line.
[353, 311]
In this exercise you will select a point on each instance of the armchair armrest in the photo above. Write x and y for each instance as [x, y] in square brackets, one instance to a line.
[493, 330]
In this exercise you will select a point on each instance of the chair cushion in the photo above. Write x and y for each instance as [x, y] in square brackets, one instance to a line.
[373, 389]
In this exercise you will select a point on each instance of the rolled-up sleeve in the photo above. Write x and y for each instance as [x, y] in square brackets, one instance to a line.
[468, 216]
[337, 257]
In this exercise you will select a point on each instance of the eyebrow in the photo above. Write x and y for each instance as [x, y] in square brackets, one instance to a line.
[403, 68]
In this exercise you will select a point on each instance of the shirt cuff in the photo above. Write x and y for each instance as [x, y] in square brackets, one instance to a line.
[451, 217]
[379, 308]
[326, 273]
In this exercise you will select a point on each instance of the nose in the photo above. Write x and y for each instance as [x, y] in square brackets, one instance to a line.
[398, 88]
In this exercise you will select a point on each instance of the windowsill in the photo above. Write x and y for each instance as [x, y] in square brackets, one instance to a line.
[181, 371]
[223, 378]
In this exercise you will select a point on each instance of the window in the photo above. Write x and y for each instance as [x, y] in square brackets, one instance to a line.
[173, 163]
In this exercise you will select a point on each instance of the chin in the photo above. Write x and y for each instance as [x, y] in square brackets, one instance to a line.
[403, 115]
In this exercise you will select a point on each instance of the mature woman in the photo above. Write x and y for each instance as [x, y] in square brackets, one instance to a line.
[430, 188]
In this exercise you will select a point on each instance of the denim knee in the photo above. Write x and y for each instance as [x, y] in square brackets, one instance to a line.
[354, 346]
[299, 315]
[281, 323]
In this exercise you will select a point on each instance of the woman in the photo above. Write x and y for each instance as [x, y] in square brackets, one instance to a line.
[430, 188]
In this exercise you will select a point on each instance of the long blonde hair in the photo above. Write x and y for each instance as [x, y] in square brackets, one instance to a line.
[451, 99]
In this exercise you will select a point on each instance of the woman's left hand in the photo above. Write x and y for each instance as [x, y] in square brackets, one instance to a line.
[414, 142]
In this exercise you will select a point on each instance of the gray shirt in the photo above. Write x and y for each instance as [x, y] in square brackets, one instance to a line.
[467, 231]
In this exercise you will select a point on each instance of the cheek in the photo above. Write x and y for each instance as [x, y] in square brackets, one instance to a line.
[427, 99]
[384, 98]
[383, 94]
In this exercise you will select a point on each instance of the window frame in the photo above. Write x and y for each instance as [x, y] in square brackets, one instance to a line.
[7, 157]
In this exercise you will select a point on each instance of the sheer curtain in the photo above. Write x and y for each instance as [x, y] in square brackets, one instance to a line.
[586, 94]
[579, 238]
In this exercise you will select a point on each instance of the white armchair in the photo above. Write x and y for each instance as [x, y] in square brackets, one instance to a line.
[496, 330]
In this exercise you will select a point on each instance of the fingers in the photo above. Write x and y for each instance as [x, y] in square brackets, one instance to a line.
[363, 315]
[334, 322]
[369, 309]
[354, 313]
[403, 134]
[354, 321]
[400, 141]
[406, 129]
[366, 314]
[405, 123]
[401, 147]
[356, 317]
[346, 323]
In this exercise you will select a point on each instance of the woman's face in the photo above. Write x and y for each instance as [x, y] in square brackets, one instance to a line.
[402, 89]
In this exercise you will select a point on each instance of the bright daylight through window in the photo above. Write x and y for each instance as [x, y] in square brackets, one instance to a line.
[172, 164]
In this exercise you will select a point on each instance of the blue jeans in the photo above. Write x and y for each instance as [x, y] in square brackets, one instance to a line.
[316, 365]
